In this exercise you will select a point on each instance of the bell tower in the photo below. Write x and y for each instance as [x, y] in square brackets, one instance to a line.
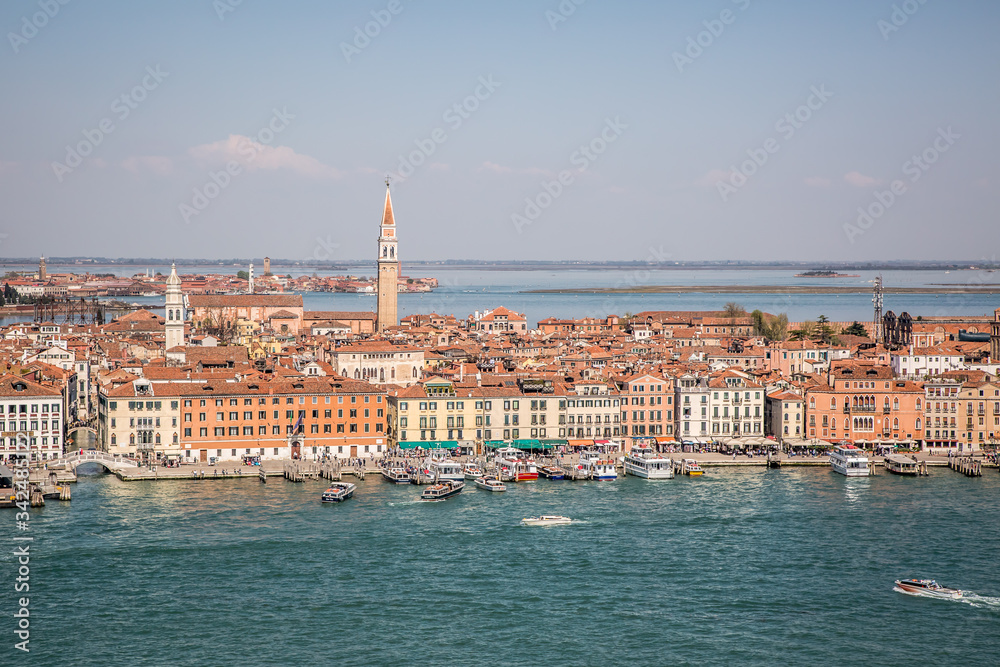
[388, 268]
[175, 310]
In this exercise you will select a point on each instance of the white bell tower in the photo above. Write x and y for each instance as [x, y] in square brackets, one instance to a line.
[175, 310]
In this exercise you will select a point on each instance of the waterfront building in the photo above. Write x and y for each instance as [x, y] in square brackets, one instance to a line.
[593, 411]
[174, 319]
[865, 403]
[223, 420]
[388, 268]
[941, 413]
[440, 413]
[784, 415]
[647, 407]
[979, 414]
[736, 406]
[31, 410]
[691, 394]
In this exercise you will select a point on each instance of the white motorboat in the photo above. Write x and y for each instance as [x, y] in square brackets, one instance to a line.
[546, 520]
[850, 461]
[691, 468]
[444, 470]
[396, 475]
[490, 484]
[596, 467]
[644, 462]
[472, 471]
[442, 490]
[926, 588]
[338, 492]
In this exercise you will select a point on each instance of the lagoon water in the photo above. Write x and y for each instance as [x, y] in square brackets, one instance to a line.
[744, 566]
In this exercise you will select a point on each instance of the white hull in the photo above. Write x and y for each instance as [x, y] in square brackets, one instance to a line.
[849, 472]
[640, 471]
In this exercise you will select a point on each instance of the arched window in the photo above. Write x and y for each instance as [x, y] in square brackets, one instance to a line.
[357, 374]
[175, 438]
[157, 438]
[381, 375]
[131, 438]
[895, 424]
[895, 403]
[917, 425]
[833, 402]
[414, 371]
[170, 314]
[114, 439]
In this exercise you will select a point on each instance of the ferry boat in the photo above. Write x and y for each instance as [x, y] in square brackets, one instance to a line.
[596, 467]
[900, 465]
[691, 468]
[396, 475]
[446, 470]
[546, 520]
[927, 588]
[518, 468]
[338, 492]
[490, 484]
[850, 461]
[472, 471]
[442, 490]
[552, 472]
[644, 462]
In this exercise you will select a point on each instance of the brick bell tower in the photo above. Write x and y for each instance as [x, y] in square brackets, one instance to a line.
[388, 269]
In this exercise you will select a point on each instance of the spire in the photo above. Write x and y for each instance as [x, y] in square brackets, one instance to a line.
[173, 279]
[387, 219]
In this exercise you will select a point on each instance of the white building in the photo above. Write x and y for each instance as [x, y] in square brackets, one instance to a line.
[31, 411]
[920, 362]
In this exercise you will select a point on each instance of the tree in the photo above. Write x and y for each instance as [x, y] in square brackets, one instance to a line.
[771, 328]
[822, 319]
[243, 275]
[734, 310]
[856, 329]
[807, 331]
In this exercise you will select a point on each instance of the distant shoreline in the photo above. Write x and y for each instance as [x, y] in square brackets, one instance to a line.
[762, 289]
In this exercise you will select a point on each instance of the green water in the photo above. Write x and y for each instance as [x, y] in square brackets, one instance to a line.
[737, 567]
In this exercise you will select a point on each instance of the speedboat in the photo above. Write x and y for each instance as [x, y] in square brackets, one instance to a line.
[472, 471]
[926, 588]
[338, 492]
[490, 484]
[396, 475]
[546, 520]
[442, 490]
[690, 467]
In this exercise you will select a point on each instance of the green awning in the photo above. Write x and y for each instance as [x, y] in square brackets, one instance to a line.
[428, 444]
[553, 442]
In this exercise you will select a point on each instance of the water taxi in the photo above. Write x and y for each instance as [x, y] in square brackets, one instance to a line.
[596, 467]
[546, 520]
[472, 471]
[396, 475]
[442, 490]
[690, 467]
[445, 470]
[900, 465]
[644, 462]
[926, 588]
[552, 472]
[490, 484]
[338, 492]
[514, 466]
[850, 461]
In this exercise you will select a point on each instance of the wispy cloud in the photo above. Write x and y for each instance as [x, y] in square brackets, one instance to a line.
[158, 164]
[857, 179]
[712, 177]
[254, 155]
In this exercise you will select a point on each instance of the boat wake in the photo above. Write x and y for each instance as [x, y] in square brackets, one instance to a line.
[968, 597]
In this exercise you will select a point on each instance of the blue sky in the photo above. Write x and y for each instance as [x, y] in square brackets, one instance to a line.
[599, 130]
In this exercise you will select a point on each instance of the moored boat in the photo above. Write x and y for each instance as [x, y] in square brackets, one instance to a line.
[551, 472]
[472, 471]
[597, 468]
[691, 468]
[546, 520]
[900, 465]
[338, 492]
[442, 490]
[445, 470]
[490, 484]
[514, 466]
[644, 462]
[926, 588]
[396, 475]
[850, 461]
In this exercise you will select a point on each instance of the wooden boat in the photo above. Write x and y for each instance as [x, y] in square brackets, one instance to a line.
[442, 490]
[490, 484]
[926, 588]
[551, 472]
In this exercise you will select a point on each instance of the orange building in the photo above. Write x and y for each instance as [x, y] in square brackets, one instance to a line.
[864, 403]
